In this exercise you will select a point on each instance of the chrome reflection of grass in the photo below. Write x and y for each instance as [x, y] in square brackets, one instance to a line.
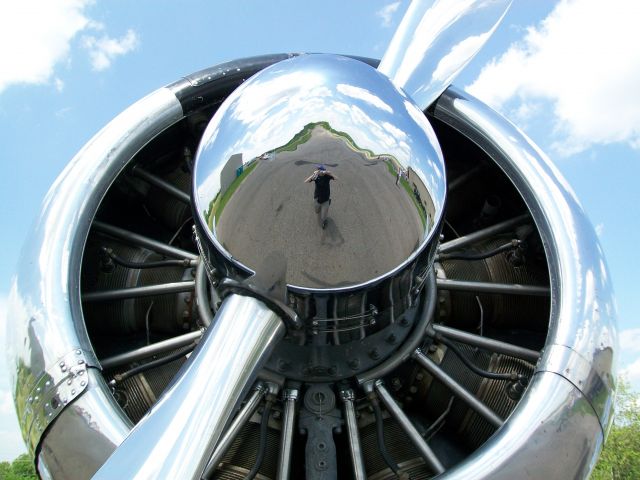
[216, 206]
[405, 185]
[305, 134]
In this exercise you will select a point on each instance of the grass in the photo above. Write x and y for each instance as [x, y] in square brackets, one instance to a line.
[220, 201]
[407, 187]
[304, 135]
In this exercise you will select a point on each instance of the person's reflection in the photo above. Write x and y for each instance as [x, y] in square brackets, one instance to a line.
[322, 194]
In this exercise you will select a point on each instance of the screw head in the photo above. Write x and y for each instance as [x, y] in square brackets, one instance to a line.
[283, 365]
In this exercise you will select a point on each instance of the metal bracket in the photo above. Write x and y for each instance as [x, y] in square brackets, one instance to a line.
[52, 392]
[209, 269]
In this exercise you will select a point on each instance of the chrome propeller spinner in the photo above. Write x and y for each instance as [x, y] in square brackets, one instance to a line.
[324, 132]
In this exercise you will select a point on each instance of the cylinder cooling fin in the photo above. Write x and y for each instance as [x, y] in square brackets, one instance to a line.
[485, 355]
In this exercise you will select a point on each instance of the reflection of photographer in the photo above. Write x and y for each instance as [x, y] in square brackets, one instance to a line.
[322, 193]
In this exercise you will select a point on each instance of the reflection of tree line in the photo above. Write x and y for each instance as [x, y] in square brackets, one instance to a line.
[413, 193]
[21, 468]
[216, 206]
[304, 136]
[24, 383]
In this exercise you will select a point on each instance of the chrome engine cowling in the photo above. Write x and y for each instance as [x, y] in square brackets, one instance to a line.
[496, 361]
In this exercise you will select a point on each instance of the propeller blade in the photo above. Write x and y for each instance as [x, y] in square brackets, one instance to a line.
[435, 40]
[177, 437]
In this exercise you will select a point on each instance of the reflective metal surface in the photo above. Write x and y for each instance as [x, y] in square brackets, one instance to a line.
[348, 397]
[320, 170]
[85, 434]
[249, 408]
[577, 371]
[583, 313]
[290, 398]
[553, 433]
[177, 437]
[44, 301]
[435, 40]
[53, 391]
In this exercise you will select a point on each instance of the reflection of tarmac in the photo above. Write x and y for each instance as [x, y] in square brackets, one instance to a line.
[372, 224]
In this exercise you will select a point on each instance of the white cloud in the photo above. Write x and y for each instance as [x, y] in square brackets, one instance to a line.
[61, 113]
[363, 94]
[582, 58]
[386, 13]
[632, 372]
[59, 84]
[105, 49]
[600, 231]
[630, 339]
[6, 403]
[36, 36]
[11, 444]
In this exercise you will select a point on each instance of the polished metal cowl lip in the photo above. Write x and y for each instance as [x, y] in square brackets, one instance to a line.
[330, 112]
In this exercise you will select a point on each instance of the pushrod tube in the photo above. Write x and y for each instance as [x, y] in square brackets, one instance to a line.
[177, 437]
[348, 398]
[487, 343]
[488, 287]
[135, 292]
[150, 350]
[162, 184]
[485, 233]
[470, 399]
[415, 437]
[232, 432]
[284, 461]
[142, 241]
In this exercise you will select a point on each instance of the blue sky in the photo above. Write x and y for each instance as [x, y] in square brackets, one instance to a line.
[566, 72]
